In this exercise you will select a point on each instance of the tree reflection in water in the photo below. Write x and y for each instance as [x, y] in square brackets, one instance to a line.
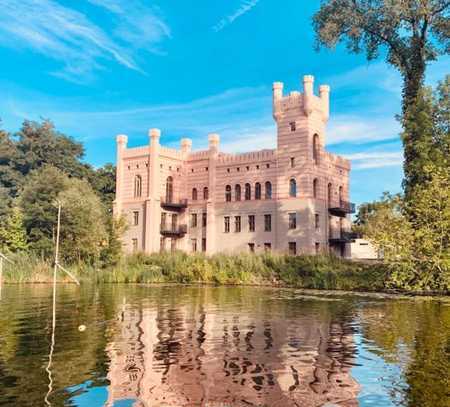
[188, 346]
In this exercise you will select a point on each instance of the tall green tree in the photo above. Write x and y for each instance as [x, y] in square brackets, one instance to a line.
[12, 232]
[103, 180]
[411, 33]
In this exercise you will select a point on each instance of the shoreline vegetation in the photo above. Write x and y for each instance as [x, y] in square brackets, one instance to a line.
[310, 272]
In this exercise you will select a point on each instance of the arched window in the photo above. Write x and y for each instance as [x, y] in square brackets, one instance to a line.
[257, 190]
[194, 194]
[137, 186]
[248, 192]
[237, 192]
[316, 146]
[329, 193]
[228, 193]
[315, 188]
[292, 188]
[341, 196]
[268, 190]
[169, 189]
[205, 193]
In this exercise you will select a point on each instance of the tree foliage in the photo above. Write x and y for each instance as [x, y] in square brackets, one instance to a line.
[12, 232]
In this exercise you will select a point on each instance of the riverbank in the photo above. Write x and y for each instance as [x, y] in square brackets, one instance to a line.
[316, 272]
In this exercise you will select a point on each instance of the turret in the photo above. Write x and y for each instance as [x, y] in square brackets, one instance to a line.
[121, 141]
[277, 95]
[324, 92]
[213, 141]
[308, 94]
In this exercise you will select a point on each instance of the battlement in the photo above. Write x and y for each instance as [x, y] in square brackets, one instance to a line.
[305, 102]
[253, 156]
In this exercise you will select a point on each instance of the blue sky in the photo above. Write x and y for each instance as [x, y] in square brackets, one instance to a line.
[98, 68]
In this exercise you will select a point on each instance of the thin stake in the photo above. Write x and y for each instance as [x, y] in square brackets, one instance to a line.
[2, 257]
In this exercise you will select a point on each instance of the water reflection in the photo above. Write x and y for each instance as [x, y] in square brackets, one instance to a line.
[187, 346]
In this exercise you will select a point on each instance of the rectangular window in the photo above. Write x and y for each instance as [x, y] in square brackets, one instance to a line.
[173, 244]
[193, 220]
[267, 223]
[316, 221]
[135, 218]
[194, 245]
[134, 243]
[292, 221]
[251, 223]
[251, 247]
[292, 248]
[204, 219]
[292, 126]
[237, 223]
[162, 244]
[226, 221]
[163, 220]
[317, 247]
[204, 245]
[267, 247]
[292, 162]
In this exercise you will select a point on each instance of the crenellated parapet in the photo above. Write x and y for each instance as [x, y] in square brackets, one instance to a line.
[254, 156]
[307, 102]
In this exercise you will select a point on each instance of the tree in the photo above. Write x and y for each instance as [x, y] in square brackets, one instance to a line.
[413, 32]
[83, 223]
[37, 202]
[12, 232]
[103, 180]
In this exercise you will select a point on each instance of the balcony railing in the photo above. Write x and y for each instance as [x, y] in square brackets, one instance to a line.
[342, 237]
[173, 230]
[342, 209]
[177, 205]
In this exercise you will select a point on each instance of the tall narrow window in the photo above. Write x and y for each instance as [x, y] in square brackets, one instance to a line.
[228, 193]
[292, 126]
[226, 224]
[237, 224]
[203, 244]
[258, 191]
[292, 162]
[193, 220]
[316, 147]
[251, 223]
[237, 192]
[315, 188]
[163, 220]
[169, 189]
[267, 223]
[194, 194]
[329, 193]
[204, 219]
[174, 221]
[137, 186]
[268, 190]
[173, 244]
[205, 193]
[135, 218]
[194, 245]
[292, 248]
[134, 243]
[248, 192]
[317, 221]
[341, 196]
[162, 244]
[317, 247]
[292, 188]
[293, 220]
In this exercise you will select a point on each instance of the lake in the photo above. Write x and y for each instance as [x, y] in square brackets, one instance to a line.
[131, 345]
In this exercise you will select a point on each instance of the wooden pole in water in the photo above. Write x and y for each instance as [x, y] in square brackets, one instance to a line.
[2, 257]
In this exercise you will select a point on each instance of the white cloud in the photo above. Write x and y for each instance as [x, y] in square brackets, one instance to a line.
[375, 159]
[244, 8]
[67, 35]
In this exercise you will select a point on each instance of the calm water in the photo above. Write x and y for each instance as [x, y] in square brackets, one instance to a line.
[189, 346]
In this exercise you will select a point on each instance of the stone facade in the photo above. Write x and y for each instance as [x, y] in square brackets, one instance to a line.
[291, 199]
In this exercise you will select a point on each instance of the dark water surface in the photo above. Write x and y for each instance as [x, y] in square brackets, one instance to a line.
[227, 346]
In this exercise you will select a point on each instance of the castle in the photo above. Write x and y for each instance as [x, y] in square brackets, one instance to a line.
[292, 199]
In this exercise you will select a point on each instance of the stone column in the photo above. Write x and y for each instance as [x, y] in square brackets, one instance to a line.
[121, 141]
[214, 141]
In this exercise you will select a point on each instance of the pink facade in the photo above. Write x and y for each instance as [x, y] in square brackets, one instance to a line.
[291, 199]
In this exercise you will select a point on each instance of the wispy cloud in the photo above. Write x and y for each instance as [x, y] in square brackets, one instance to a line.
[375, 159]
[244, 7]
[67, 35]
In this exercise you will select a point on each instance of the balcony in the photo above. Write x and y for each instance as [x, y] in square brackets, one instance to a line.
[174, 205]
[342, 238]
[342, 209]
[173, 230]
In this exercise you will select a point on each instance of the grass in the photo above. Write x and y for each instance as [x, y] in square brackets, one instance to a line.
[319, 272]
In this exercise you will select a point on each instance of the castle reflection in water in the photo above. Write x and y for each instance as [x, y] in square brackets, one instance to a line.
[195, 356]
